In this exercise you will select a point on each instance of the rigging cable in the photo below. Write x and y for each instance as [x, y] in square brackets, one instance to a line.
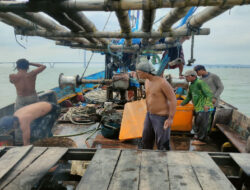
[93, 52]
[18, 41]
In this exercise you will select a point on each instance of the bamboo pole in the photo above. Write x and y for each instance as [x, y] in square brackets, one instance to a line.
[123, 19]
[17, 21]
[177, 33]
[118, 48]
[172, 17]
[43, 21]
[83, 21]
[197, 20]
[21, 23]
[65, 20]
[147, 23]
[109, 5]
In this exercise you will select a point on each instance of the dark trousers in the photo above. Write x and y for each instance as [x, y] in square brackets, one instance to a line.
[153, 132]
[202, 124]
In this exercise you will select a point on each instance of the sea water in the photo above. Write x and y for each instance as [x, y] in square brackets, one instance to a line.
[236, 81]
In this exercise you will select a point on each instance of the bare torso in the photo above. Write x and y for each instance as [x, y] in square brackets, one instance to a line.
[24, 82]
[158, 92]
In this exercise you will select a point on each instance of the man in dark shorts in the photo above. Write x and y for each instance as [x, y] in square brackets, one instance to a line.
[35, 121]
[161, 107]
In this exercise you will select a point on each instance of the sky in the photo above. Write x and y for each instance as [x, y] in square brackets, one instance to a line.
[228, 42]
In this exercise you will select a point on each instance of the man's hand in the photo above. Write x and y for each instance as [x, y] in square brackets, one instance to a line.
[206, 108]
[214, 100]
[168, 123]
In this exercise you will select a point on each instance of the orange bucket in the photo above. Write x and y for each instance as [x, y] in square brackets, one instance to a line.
[183, 117]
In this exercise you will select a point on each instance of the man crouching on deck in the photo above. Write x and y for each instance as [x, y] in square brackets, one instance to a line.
[35, 121]
[161, 107]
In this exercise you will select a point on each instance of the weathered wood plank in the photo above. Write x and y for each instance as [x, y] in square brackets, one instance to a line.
[100, 170]
[11, 158]
[126, 175]
[154, 171]
[181, 174]
[233, 137]
[207, 172]
[243, 161]
[24, 163]
[31, 175]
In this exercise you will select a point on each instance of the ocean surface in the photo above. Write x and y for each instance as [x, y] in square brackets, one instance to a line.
[236, 81]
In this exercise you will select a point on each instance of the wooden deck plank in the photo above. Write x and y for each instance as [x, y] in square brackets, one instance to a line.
[126, 175]
[243, 160]
[233, 137]
[154, 171]
[24, 163]
[11, 158]
[31, 175]
[181, 174]
[208, 173]
[100, 170]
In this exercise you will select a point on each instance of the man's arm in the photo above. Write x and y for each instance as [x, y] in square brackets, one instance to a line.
[12, 78]
[169, 93]
[39, 69]
[219, 86]
[187, 99]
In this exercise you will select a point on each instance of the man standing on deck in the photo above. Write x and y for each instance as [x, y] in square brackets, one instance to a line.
[212, 80]
[25, 82]
[35, 121]
[161, 107]
[201, 96]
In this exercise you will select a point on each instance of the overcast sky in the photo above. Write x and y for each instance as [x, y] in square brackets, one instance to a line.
[228, 42]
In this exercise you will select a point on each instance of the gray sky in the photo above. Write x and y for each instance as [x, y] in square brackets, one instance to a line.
[228, 43]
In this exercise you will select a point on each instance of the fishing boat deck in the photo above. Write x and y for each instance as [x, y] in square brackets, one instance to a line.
[122, 168]
[178, 141]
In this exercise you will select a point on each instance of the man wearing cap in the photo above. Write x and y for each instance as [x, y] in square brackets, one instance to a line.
[212, 80]
[161, 107]
[25, 82]
[201, 96]
[34, 120]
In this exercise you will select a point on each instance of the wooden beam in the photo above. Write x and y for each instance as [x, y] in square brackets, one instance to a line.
[147, 22]
[17, 21]
[84, 22]
[108, 5]
[177, 33]
[197, 20]
[123, 19]
[172, 17]
[118, 48]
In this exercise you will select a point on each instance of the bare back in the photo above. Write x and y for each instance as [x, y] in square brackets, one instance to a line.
[159, 94]
[33, 111]
[24, 83]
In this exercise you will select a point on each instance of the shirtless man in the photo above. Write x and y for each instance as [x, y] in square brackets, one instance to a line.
[161, 107]
[25, 82]
[35, 121]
